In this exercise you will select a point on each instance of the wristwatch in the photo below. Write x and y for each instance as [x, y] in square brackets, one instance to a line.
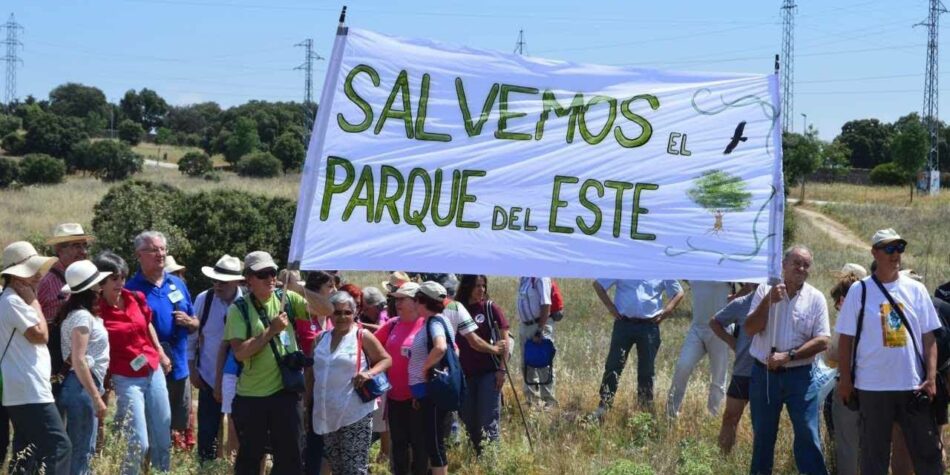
[791, 355]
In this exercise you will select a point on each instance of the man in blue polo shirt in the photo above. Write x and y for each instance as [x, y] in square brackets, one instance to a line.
[636, 310]
[173, 319]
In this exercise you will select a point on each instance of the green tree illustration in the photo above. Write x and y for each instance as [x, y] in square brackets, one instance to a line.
[719, 191]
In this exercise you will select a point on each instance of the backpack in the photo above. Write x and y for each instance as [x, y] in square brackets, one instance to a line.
[446, 387]
[205, 310]
[557, 299]
[242, 305]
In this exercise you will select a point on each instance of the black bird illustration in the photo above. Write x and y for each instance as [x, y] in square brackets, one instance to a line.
[736, 138]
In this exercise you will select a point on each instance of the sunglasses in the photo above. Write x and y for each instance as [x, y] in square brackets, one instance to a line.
[898, 247]
[341, 313]
[265, 274]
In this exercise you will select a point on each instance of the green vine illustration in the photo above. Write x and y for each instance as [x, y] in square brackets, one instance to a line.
[769, 110]
[669, 251]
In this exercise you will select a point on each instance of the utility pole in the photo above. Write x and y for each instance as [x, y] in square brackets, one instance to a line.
[11, 58]
[307, 67]
[519, 46]
[930, 116]
[788, 64]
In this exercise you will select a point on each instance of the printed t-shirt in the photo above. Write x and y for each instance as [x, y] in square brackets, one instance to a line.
[886, 359]
[397, 337]
[260, 375]
[97, 348]
[474, 362]
[129, 336]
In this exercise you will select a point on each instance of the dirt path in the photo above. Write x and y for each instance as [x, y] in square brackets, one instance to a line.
[832, 228]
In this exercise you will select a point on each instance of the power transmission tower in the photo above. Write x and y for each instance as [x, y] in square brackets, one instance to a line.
[307, 67]
[13, 30]
[519, 46]
[930, 114]
[788, 65]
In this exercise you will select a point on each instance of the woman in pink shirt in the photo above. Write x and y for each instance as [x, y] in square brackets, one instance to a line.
[405, 431]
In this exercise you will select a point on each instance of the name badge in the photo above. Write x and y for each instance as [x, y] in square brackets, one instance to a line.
[138, 362]
[176, 296]
[284, 338]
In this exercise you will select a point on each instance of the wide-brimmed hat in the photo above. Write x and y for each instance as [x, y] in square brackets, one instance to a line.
[171, 266]
[259, 260]
[409, 289]
[20, 259]
[69, 232]
[227, 269]
[396, 279]
[885, 236]
[81, 275]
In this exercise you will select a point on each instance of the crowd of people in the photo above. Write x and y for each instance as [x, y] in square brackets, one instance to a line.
[314, 370]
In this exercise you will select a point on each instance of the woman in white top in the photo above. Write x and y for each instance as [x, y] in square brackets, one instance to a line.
[343, 360]
[85, 345]
[39, 437]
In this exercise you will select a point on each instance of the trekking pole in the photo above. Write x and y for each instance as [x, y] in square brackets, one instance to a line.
[514, 392]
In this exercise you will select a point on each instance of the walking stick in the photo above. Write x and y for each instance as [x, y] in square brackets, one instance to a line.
[494, 337]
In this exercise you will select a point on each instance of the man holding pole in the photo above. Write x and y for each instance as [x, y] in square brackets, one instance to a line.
[789, 325]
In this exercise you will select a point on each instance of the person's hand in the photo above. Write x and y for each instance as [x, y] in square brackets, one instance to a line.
[195, 379]
[24, 290]
[499, 379]
[361, 378]
[501, 348]
[278, 324]
[184, 320]
[777, 360]
[845, 389]
[929, 388]
[165, 362]
[778, 293]
[415, 404]
[101, 408]
[656, 319]
[537, 336]
[217, 393]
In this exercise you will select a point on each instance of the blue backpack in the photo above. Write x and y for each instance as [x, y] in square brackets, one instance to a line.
[446, 386]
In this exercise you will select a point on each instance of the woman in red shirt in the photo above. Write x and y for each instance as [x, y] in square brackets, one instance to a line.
[142, 409]
[405, 429]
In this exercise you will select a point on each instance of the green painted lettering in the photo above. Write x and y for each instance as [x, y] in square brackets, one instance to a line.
[474, 128]
[331, 187]
[400, 87]
[557, 203]
[359, 101]
[598, 215]
[505, 115]
[637, 211]
[647, 129]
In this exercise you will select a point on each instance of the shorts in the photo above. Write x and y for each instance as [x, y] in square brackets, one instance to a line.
[179, 400]
[379, 422]
[739, 387]
[228, 389]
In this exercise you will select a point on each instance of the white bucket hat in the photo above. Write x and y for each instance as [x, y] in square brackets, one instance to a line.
[20, 259]
[227, 269]
[69, 232]
[172, 266]
[81, 275]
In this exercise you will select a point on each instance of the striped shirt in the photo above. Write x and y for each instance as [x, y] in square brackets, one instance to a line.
[49, 292]
[533, 293]
[793, 322]
[419, 350]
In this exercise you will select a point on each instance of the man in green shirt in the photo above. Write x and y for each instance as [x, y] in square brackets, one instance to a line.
[262, 405]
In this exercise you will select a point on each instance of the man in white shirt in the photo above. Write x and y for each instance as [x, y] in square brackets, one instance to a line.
[789, 327]
[895, 361]
[205, 347]
[534, 310]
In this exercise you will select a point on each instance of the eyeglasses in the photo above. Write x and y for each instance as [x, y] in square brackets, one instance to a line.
[340, 313]
[897, 247]
[265, 274]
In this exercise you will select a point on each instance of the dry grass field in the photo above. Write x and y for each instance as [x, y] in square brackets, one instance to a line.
[628, 442]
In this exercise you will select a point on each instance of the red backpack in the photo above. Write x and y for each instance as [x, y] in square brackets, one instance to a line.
[557, 300]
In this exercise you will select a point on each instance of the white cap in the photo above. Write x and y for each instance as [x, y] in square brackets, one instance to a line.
[886, 235]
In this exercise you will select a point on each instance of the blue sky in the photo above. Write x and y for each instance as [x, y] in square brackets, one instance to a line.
[854, 59]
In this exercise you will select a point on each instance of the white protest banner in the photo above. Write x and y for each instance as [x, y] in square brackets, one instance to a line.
[429, 157]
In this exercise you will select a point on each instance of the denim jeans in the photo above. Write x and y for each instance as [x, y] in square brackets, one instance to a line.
[81, 423]
[209, 421]
[627, 333]
[793, 389]
[145, 418]
[39, 439]
[481, 408]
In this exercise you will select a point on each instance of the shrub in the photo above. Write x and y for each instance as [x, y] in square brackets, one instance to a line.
[9, 124]
[195, 164]
[289, 150]
[242, 141]
[113, 161]
[9, 171]
[131, 132]
[259, 165]
[133, 207]
[14, 143]
[888, 174]
[39, 168]
[53, 135]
